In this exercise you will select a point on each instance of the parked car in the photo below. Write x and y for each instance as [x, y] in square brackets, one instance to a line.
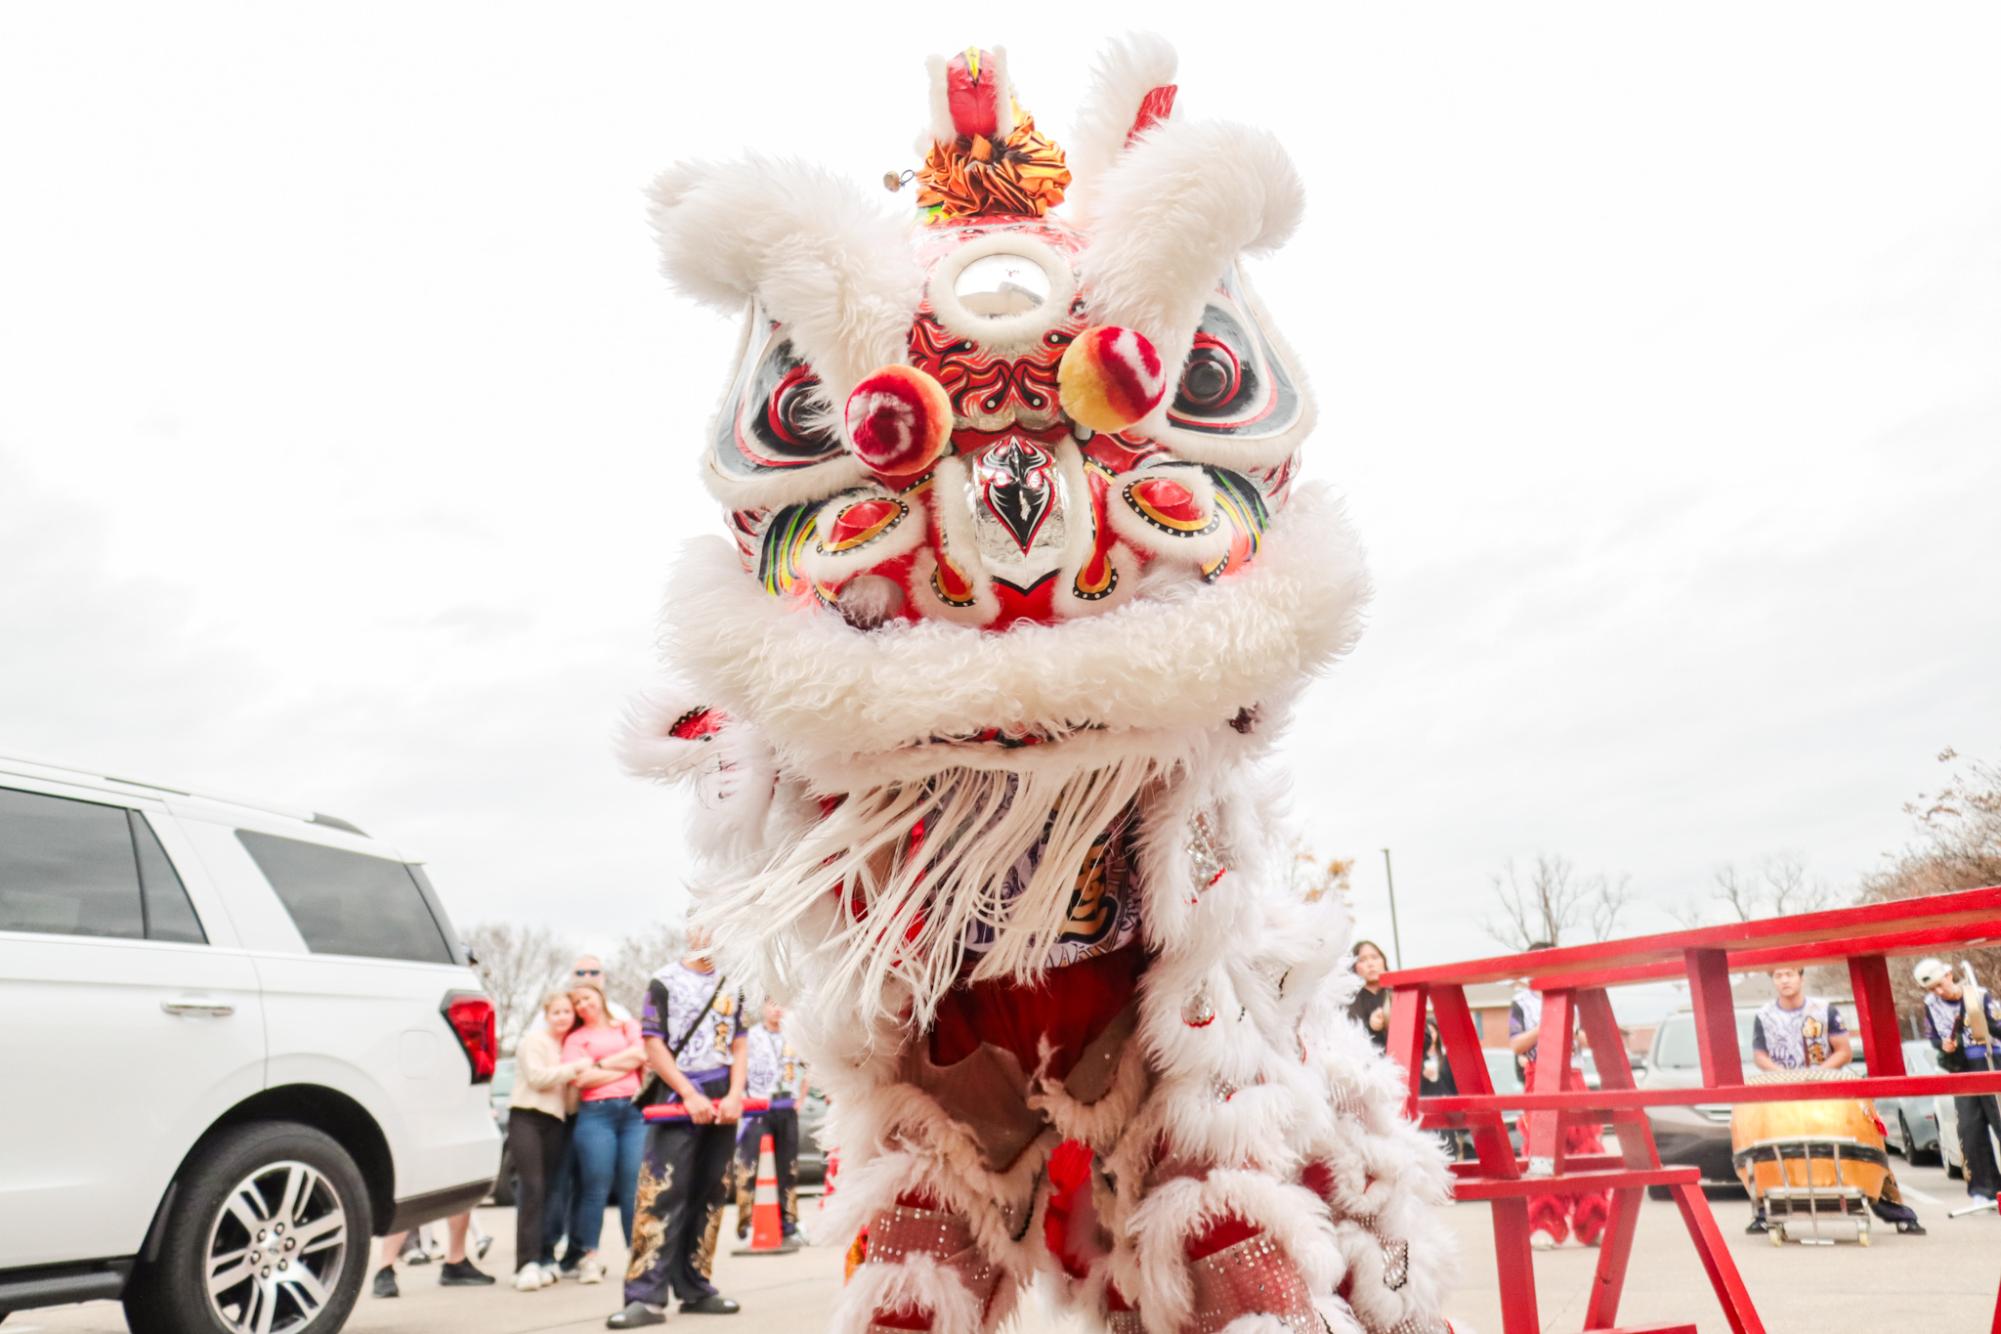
[505, 1179]
[812, 1157]
[1699, 1135]
[1911, 1125]
[262, 1045]
[502, 1087]
[1506, 1078]
[1950, 1153]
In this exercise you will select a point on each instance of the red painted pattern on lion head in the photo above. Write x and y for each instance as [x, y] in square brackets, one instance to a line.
[995, 416]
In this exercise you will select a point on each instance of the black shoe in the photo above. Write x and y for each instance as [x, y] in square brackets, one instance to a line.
[713, 1304]
[385, 1282]
[462, 1274]
[1758, 1225]
[634, 1315]
[1911, 1228]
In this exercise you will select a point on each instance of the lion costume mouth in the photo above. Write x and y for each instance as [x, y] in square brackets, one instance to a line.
[846, 709]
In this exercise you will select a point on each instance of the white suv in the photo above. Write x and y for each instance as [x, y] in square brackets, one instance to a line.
[235, 1042]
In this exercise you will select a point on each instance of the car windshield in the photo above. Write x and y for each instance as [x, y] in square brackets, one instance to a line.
[1675, 1048]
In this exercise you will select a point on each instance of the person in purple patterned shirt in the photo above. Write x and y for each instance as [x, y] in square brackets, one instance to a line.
[693, 1032]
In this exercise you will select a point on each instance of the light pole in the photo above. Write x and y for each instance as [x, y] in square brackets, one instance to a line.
[1396, 938]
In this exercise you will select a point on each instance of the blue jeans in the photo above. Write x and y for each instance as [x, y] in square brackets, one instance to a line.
[609, 1136]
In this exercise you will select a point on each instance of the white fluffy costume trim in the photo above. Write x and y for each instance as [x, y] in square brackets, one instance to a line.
[919, 1283]
[840, 275]
[1124, 73]
[845, 710]
[1172, 215]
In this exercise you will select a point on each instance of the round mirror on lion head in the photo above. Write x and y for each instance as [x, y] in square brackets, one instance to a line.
[1001, 285]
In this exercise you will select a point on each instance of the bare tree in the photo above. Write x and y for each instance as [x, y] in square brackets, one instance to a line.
[516, 964]
[639, 955]
[1553, 902]
[1312, 877]
[1958, 846]
[1606, 904]
[1776, 887]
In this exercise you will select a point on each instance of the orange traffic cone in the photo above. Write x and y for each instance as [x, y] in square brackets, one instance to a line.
[767, 1221]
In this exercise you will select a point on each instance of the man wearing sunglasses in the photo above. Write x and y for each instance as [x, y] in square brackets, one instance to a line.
[589, 968]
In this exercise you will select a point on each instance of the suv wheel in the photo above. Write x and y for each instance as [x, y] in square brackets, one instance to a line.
[268, 1234]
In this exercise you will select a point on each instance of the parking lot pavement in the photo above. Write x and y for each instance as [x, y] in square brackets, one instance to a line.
[1943, 1282]
[779, 1293]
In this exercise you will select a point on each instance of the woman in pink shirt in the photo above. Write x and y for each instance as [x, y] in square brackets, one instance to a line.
[609, 1130]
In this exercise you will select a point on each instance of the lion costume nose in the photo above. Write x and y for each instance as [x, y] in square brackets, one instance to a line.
[1110, 378]
[899, 420]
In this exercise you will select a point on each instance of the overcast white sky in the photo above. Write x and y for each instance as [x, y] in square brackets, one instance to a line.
[347, 434]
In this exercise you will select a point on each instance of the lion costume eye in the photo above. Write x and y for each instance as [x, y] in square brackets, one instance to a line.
[1210, 380]
[776, 441]
[1238, 402]
[790, 425]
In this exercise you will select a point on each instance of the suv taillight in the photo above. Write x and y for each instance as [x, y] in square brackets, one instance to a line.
[471, 1016]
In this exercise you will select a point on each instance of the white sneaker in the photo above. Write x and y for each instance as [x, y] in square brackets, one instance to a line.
[591, 1270]
[530, 1278]
[551, 1275]
[1541, 1241]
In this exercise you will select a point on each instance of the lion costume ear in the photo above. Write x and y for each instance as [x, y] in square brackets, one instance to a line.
[840, 275]
[1132, 89]
[1170, 203]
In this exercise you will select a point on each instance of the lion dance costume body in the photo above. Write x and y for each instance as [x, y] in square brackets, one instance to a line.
[1021, 585]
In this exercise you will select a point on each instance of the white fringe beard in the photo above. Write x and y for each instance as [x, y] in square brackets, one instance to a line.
[907, 908]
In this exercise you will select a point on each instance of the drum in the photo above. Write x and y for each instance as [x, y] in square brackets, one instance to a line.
[1827, 1145]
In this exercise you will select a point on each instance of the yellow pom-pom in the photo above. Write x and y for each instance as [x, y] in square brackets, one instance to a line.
[1110, 378]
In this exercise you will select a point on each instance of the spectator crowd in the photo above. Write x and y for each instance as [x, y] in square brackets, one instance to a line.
[663, 1113]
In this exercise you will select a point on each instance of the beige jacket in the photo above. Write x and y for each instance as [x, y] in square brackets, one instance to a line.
[541, 1080]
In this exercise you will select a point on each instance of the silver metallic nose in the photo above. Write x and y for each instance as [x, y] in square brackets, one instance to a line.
[1020, 506]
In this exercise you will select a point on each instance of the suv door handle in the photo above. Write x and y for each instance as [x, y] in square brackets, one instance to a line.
[205, 1006]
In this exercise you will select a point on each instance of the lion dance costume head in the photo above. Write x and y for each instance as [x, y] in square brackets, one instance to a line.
[1020, 583]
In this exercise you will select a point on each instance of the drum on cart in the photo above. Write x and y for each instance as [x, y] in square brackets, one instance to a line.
[1809, 1162]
